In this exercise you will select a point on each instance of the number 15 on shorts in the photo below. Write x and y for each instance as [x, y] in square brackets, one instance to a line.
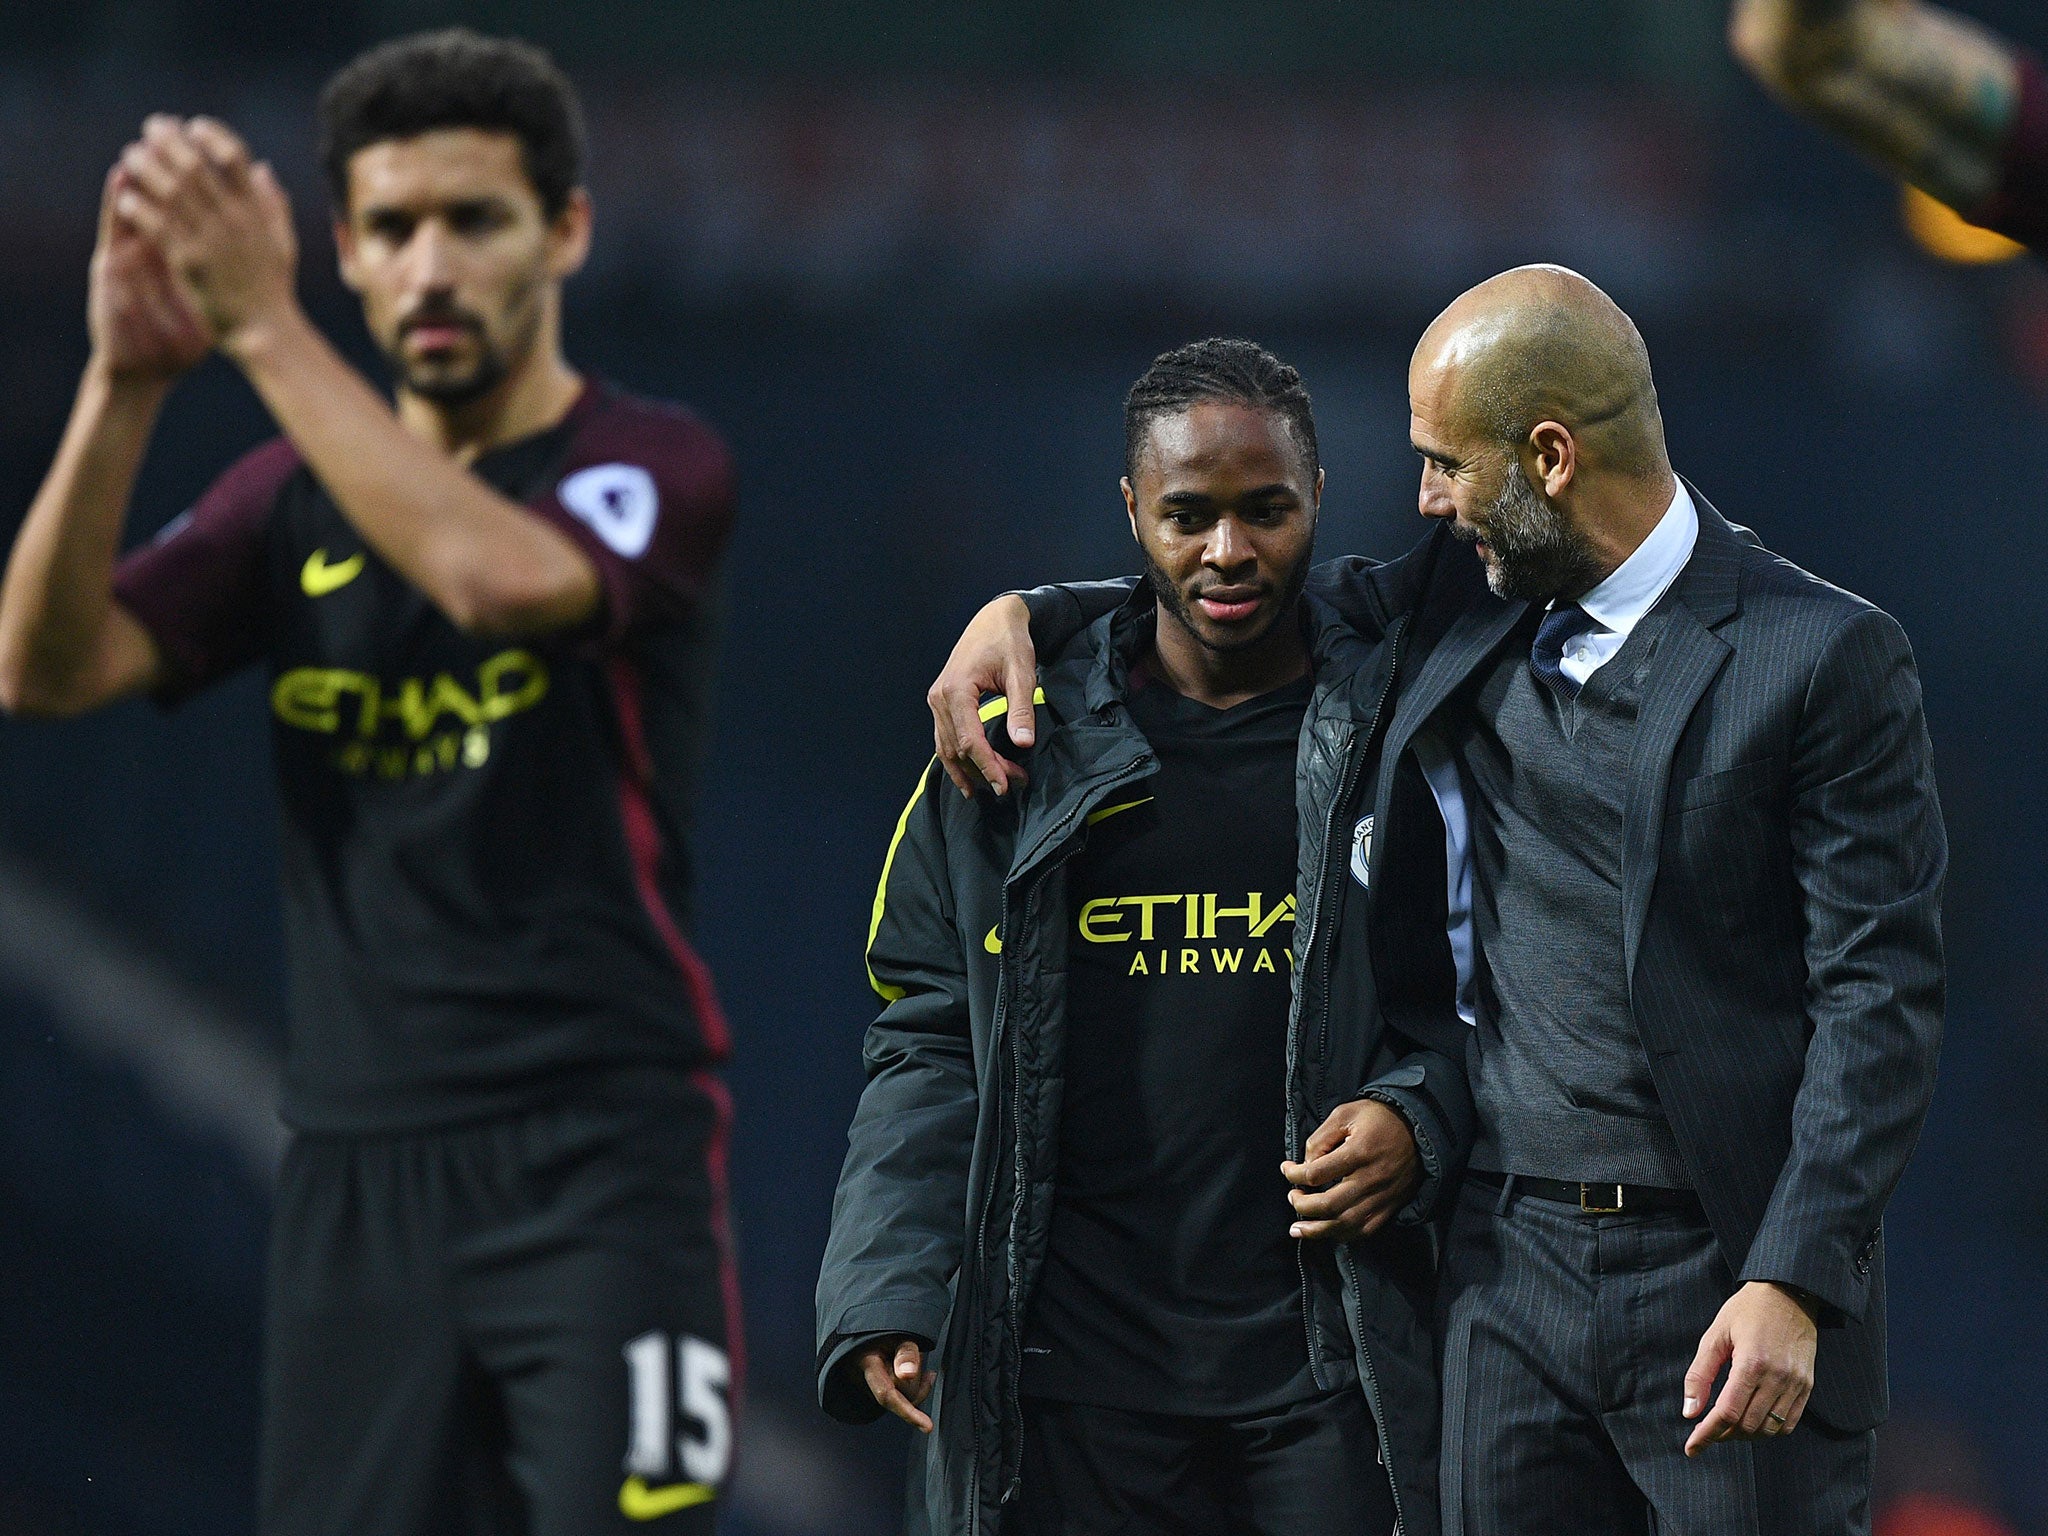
[680, 1423]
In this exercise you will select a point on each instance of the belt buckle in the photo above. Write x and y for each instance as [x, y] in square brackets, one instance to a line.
[1586, 1201]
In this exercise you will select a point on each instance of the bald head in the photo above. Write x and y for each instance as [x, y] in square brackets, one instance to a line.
[1531, 405]
[1543, 344]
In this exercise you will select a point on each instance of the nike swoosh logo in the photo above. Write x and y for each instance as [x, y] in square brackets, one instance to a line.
[1110, 810]
[994, 942]
[319, 578]
[637, 1501]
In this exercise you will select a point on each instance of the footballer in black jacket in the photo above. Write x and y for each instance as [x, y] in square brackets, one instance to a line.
[1157, 1219]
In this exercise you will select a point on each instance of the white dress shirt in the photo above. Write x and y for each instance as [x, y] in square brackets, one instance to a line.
[1616, 606]
[1445, 782]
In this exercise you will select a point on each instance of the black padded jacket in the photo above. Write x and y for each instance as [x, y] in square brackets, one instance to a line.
[940, 1219]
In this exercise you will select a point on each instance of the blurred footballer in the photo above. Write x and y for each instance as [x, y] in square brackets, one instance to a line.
[500, 1258]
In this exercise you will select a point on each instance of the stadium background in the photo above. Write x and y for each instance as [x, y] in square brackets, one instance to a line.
[908, 256]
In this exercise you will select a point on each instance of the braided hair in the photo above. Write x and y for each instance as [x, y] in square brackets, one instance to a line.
[1220, 368]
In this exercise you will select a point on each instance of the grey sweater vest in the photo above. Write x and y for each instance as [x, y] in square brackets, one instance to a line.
[1563, 1085]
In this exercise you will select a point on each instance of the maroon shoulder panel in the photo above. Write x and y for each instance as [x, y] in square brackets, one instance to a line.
[199, 586]
[647, 492]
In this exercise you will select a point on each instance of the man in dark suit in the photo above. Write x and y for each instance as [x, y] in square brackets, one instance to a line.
[1707, 997]
[1695, 863]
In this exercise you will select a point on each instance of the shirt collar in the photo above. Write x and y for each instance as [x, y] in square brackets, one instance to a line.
[1619, 602]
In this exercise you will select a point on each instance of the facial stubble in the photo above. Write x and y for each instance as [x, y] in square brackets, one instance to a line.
[1537, 555]
[1182, 606]
[493, 363]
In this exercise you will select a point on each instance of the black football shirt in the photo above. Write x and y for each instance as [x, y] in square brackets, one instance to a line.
[1170, 1283]
[485, 870]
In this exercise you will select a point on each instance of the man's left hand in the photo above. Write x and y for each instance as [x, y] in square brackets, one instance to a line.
[1360, 1167]
[1767, 1340]
[222, 222]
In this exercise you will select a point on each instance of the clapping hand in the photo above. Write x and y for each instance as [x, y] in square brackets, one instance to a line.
[143, 328]
[220, 220]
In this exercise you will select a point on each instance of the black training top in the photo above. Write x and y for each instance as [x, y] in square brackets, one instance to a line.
[486, 880]
[1170, 1283]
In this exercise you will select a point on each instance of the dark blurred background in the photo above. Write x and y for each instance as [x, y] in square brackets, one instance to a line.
[908, 256]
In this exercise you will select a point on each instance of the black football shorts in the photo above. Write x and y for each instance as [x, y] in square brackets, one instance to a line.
[521, 1327]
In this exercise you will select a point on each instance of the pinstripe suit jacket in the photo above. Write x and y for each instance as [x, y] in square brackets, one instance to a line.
[1782, 865]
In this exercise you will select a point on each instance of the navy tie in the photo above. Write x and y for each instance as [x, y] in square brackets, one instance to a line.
[1560, 627]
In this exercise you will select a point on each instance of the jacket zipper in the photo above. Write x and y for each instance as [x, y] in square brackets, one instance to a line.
[1354, 766]
[981, 1235]
[1012, 1307]
[1294, 1137]
[1354, 763]
[1373, 1400]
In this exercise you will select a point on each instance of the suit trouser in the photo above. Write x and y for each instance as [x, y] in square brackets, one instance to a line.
[1566, 1340]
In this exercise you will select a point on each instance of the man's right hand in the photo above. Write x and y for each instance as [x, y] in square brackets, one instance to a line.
[994, 655]
[893, 1369]
[143, 330]
[1358, 1169]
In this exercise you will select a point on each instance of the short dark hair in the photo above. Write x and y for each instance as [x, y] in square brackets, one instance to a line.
[456, 79]
[1220, 368]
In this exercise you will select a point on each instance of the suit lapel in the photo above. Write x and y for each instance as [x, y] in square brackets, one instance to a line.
[1472, 637]
[1706, 596]
[1690, 656]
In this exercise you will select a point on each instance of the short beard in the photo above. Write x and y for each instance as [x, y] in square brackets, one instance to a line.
[493, 362]
[1537, 555]
[458, 390]
[1182, 607]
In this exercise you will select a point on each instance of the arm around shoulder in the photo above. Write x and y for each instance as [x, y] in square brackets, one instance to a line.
[1062, 610]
